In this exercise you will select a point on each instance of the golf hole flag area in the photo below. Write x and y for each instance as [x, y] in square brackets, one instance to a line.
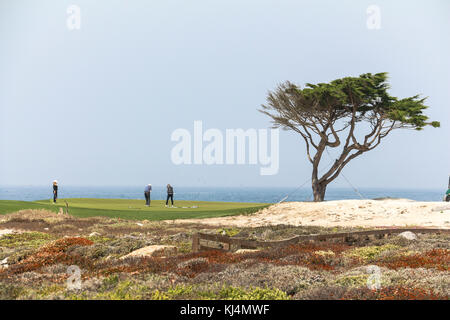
[136, 209]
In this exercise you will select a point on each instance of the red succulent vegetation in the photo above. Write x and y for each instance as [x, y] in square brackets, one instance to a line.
[436, 258]
[55, 252]
[393, 293]
[301, 254]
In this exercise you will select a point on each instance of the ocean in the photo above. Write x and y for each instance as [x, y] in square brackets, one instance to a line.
[232, 194]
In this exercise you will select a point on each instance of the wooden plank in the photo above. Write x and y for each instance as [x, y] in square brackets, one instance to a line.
[215, 237]
[227, 240]
[253, 244]
[246, 242]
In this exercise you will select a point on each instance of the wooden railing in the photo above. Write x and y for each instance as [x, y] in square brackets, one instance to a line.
[228, 244]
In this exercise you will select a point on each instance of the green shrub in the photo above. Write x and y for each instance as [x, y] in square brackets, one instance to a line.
[184, 247]
[179, 291]
[126, 290]
[234, 293]
[370, 253]
[353, 281]
[110, 281]
[216, 292]
[28, 239]
[45, 291]
[230, 232]
[11, 292]
[100, 239]
[159, 295]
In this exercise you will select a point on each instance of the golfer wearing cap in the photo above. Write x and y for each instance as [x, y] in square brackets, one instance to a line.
[55, 191]
[147, 191]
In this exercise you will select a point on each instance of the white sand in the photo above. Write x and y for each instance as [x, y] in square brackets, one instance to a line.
[6, 231]
[344, 213]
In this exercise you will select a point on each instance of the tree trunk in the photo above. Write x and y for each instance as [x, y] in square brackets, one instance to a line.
[318, 188]
[319, 191]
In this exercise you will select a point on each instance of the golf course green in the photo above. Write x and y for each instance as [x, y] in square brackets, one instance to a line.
[136, 209]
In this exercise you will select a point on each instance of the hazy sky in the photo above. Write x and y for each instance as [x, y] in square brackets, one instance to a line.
[97, 106]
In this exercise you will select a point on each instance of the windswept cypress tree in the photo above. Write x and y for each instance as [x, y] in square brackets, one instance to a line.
[334, 115]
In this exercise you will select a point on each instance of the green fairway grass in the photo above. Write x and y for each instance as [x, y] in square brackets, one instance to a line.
[136, 209]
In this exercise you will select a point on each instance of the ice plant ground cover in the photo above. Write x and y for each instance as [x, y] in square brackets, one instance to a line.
[35, 262]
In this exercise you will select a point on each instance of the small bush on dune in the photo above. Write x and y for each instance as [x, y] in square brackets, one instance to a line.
[124, 246]
[230, 232]
[159, 295]
[233, 293]
[17, 255]
[115, 287]
[25, 239]
[110, 281]
[370, 253]
[126, 290]
[94, 252]
[353, 281]
[46, 291]
[11, 291]
[100, 239]
[179, 292]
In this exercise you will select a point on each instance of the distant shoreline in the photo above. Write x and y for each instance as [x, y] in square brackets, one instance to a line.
[225, 194]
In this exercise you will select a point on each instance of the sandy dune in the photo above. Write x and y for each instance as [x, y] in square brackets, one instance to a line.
[344, 213]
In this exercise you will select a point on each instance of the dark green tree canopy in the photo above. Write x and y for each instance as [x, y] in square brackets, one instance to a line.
[327, 115]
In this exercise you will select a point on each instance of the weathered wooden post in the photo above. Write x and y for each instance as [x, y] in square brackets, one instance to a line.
[195, 242]
[227, 246]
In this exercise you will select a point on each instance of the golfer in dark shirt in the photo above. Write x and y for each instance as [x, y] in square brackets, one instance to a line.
[147, 191]
[55, 191]
[169, 194]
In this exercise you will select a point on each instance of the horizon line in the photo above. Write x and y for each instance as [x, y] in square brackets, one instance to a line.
[217, 186]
